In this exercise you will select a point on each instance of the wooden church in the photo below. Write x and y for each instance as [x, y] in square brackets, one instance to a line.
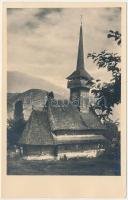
[67, 129]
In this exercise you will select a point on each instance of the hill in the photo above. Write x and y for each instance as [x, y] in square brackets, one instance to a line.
[18, 82]
[33, 97]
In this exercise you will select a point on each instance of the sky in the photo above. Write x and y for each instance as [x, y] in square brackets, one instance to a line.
[44, 42]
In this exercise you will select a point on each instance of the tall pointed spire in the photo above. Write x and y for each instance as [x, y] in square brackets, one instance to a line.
[80, 71]
[80, 80]
[80, 57]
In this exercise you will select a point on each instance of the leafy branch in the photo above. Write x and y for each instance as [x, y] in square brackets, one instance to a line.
[116, 35]
[107, 94]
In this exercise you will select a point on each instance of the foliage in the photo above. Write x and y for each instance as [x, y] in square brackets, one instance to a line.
[113, 151]
[116, 35]
[107, 94]
[14, 131]
[18, 112]
[16, 126]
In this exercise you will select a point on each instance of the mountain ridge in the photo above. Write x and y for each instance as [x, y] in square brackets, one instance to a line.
[18, 82]
[31, 98]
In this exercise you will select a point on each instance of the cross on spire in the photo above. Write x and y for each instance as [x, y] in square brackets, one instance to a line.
[81, 16]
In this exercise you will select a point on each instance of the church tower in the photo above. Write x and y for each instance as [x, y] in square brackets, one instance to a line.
[79, 82]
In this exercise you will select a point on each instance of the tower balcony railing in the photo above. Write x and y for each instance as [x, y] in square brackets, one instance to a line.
[77, 83]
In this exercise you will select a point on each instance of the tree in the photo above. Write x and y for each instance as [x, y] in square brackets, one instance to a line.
[14, 131]
[107, 94]
[16, 126]
[18, 112]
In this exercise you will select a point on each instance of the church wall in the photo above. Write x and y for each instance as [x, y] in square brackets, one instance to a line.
[38, 149]
[84, 100]
[55, 150]
[78, 147]
[74, 94]
[79, 150]
[80, 98]
[72, 147]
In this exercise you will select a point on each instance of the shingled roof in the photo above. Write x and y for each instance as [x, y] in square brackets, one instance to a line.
[68, 117]
[37, 130]
[63, 119]
[92, 121]
[81, 73]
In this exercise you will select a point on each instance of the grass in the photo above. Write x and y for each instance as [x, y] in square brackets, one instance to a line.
[98, 166]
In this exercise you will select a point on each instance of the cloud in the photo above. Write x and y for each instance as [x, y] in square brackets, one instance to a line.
[28, 19]
[43, 42]
[44, 12]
